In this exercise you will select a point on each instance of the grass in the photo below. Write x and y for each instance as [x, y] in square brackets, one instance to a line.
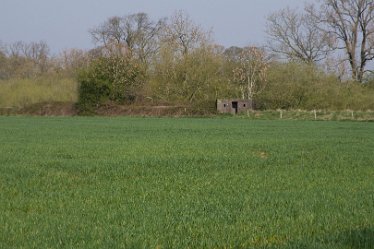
[25, 92]
[319, 115]
[185, 183]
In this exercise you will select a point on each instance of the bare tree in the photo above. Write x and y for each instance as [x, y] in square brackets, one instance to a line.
[351, 22]
[251, 73]
[133, 35]
[15, 49]
[36, 53]
[146, 35]
[296, 36]
[70, 61]
[183, 34]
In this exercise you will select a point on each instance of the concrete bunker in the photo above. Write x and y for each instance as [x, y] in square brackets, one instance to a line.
[234, 106]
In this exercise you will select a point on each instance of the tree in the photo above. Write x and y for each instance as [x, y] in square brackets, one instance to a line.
[70, 61]
[27, 59]
[194, 78]
[38, 52]
[351, 22]
[250, 74]
[296, 36]
[183, 35]
[187, 64]
[133, 35]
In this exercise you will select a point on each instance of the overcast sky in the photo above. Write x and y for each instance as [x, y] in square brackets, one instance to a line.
[65, 23]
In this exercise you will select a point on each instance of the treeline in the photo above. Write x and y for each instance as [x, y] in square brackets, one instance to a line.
[173, 61]
[22, 60]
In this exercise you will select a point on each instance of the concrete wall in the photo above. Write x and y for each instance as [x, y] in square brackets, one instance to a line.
[233, 106]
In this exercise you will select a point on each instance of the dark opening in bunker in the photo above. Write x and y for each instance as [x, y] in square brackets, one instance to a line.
[235, 106]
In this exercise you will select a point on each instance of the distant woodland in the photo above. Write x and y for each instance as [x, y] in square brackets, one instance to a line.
[319, 57]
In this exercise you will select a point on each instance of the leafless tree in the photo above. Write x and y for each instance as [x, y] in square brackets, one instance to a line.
[69, 61]
[351, 22]
[35, 52]
[183, 34]
[38, 52]
[15, 49]
[296, 36]
[133, 35]
[147, 35]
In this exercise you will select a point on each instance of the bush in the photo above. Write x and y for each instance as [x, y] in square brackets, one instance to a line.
[298, 86]
[114, 79]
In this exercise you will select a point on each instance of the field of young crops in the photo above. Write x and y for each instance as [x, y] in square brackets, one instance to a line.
[92, 182]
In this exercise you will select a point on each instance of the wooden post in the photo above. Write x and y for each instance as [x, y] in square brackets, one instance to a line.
[315, 114]
[281, 113]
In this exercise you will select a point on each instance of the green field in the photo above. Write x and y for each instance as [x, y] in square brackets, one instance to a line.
[185, 183]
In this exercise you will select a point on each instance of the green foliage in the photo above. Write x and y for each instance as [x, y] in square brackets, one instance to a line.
[185, 183]
[287, 86]
[303, 86]
[116, 79]
[193, 78]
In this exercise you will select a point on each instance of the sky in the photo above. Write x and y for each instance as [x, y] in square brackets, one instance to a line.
[64, 24]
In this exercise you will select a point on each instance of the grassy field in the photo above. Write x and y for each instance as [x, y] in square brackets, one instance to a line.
[185, 183]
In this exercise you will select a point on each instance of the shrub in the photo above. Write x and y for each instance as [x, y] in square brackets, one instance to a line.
[116, 79]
